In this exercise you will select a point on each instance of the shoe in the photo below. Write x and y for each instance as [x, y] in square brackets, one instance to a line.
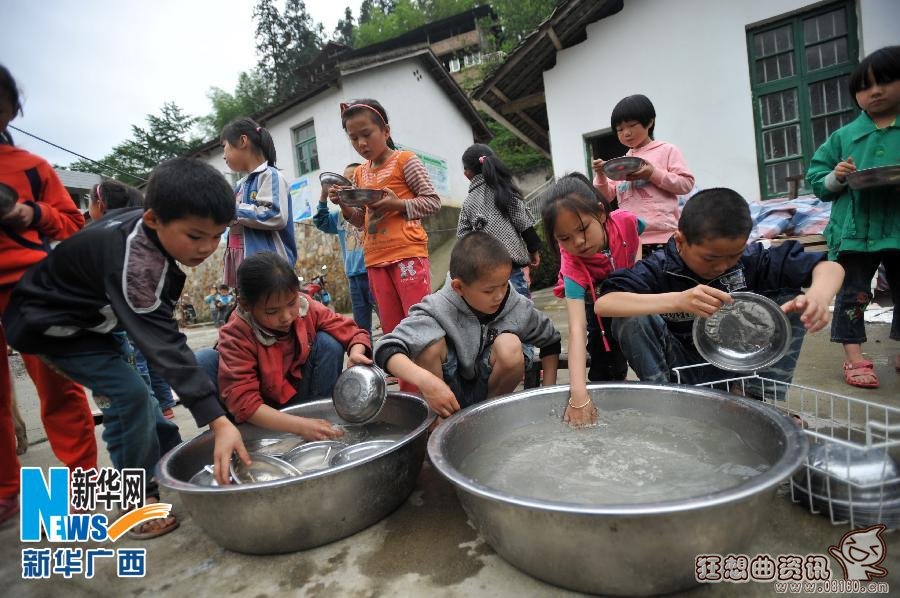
[169, 413]
[855, 374]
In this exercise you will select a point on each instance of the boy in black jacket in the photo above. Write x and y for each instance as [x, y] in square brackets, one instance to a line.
[655, 302]
[121, 274]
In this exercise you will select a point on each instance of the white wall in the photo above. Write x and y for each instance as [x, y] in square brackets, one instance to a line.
[690, 58]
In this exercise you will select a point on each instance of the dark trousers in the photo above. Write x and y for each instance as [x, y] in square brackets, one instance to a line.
[848, 325]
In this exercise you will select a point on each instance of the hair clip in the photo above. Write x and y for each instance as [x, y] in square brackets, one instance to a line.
[257, 129]
[481, 159]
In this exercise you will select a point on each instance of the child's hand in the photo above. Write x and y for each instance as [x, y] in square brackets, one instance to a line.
[20, 217]
[357, 355]
[813, 311]
[702, 300]
[228, 441]
[597, 166]
[439, 396]
[389, 203]
[642, 173]
[535, 259]
[580, 411]
[315, 429]
[844, 168]
[334, 192]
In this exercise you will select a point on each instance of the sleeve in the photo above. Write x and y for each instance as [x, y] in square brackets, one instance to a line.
[412, 335]
[820, 174]
[343, 329]
[572, 289]
[324, 220]
[464, 225]
[641, 226]
[426, 201]
[238, 373]
[606, 187]
[786, 266]
[674, 177]
[540, 330]
[520, 216]
[55, 214]
[641, 278]
[269, 209]
[532, 240]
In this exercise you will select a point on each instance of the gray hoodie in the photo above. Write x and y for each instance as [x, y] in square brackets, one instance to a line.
[445, 314]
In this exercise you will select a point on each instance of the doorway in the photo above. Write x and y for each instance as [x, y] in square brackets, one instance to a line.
[604, 145]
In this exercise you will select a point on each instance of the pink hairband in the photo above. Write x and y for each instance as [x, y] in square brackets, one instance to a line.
[481, 159]
[346, 107]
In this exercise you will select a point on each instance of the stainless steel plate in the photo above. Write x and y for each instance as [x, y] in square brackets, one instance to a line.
[359, 393]
[882, 176]
[314, 456]
[619, 168]
[360, 451]
[262, 469]
[205, 477]
[849, 473]
[357, 198]
[745, 336]
[275, 446]
[333, 178]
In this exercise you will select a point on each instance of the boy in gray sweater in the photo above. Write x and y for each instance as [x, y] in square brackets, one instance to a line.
[470, 340]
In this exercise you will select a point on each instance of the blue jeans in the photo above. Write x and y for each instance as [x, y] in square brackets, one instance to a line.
[361, 301]
[320, 372]
[848, 325]
[517, 278]
[134, 429]
[159, 388]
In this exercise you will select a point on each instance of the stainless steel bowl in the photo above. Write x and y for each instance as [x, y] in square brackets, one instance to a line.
[359, 393]
[880, 176]
[358, 198]
[619, 168]
[310, 510]
[608, 548]
[333, 178]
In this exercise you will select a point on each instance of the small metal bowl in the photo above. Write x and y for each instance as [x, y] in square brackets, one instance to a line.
[333, 178]
[359, 393]
[881, 176]
[744, 336]
[360, 451]
[262, 469]
[314, 456]
[619, 168]
[358, 198]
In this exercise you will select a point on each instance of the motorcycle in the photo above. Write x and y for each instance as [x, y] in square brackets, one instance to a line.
[315, 287]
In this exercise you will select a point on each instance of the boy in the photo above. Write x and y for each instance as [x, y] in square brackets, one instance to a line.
[334, 223]
[223, 302]
[121, 273]
[463, 344]
[655, 302]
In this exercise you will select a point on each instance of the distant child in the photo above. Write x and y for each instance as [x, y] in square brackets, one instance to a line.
[281, 348]
[264, 221]
[395, 242]
[112, 195]
[494, 204]
[864, 229]
[350, 238]
[224, 302]
[464, 343]
[654, 303]
[592, 243]
[122, 274]
[42, 212]
[651, 192]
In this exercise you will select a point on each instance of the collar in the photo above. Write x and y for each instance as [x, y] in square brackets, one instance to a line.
[864, 125]
[675, 266]
[483, 317]
[264, 336]
[654, 143]
[151, 234]
[477, 181]
[261, 168]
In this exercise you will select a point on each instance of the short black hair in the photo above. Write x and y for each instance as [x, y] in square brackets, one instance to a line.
[10, 91]
[184, 187]
[117, 195]
[637, 107]
[264, 274]
[258, 136]
[716, 213]
[884, 64]
[353, 165]
[476, 254]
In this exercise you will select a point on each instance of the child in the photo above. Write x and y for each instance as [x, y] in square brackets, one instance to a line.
[123, 275]
[264, 220]
[280, 349]
[655, 302]
[864, 229]
[464, 343]
[592, 243]
[651, 192]
[44, 212]
[494, 204]
[224, 302]
[395, 242]
[112, 195]
[334, 223]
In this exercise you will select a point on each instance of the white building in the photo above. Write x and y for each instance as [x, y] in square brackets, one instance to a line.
[746, 89]
[427, 110]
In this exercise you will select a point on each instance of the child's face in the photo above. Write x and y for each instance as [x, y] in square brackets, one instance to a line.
[277, 311]
[633, 134]
[580, 233]
[369, 139]
[237, 156]
[487, 292]
[96, 209]
[349, 172]
[879, 99]
[189, 240]
[710, 258]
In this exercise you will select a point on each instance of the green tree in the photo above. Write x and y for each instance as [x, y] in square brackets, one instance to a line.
[251, 95]
[270, 45]
[343, 32]
[284, 43]
[404, 16]
[515, 153]
[518, 18]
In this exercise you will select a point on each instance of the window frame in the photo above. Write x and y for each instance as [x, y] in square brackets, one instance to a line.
[801, 81]
[311, 141]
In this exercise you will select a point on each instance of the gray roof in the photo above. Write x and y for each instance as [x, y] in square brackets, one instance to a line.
[73, 179]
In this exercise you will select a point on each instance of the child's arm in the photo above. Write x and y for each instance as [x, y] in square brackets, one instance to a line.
[700, 300]
[54, 213]
[605, 186]
[324, 220]
[580, 410]
[434, 390]
[828, 170]
[307, 427]
[827, 278]
[426, 201]
[354, 339]
[550, 365]
[268, 210]
[674, 177]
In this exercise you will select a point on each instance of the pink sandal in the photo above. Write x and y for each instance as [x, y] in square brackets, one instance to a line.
[856, 371]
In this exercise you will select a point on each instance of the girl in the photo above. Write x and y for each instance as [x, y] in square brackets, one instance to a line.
[264, 221]
[281, 348]
[864, 229]
[650, 192]
[592, 243]
[395, 244]
[494, 204]
[112, 195]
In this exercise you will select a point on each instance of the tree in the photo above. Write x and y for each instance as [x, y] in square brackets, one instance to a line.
[518, 18]
[404, 16]
[270, 46]
[343, 32]
[251, 95]
[285, 42]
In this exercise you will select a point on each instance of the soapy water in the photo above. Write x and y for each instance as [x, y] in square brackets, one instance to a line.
[629, 457]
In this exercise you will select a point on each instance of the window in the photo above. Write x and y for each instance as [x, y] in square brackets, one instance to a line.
[799, 68]
[306, 155]
[454, 65]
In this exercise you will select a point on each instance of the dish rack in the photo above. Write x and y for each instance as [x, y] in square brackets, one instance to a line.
[850, 473]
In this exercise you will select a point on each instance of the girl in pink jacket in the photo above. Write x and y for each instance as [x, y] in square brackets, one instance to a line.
[650, 192]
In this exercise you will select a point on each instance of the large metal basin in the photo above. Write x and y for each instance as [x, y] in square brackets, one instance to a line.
[319, 507]
[641, 548]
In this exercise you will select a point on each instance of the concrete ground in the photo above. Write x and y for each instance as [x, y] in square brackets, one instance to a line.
[427, 546]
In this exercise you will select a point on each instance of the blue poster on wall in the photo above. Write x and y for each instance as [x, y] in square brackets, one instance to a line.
[301, 204]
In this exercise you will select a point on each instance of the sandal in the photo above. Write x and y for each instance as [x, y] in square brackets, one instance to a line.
[155, 527]
[9, 507]
[169, 413]
[856, 373]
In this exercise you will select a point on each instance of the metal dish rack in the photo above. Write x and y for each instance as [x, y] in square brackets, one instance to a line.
[838, 427]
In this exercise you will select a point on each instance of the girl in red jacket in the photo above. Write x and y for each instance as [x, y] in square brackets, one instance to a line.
[280, 348]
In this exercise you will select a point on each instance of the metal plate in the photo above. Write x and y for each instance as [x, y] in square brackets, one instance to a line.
[849, 473]
[275, 446]
[619, 168]
[333, 178]
[882, 176]
[205, 477]
[744, 336]
[262, 469]
[360, 451]
[359, 393]
[358, 198]
[314, 456]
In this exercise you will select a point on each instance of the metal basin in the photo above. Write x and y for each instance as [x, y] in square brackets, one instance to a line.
[317, 507]
[609, 545]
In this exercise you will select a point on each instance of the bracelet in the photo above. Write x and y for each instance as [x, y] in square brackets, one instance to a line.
[582, 406]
